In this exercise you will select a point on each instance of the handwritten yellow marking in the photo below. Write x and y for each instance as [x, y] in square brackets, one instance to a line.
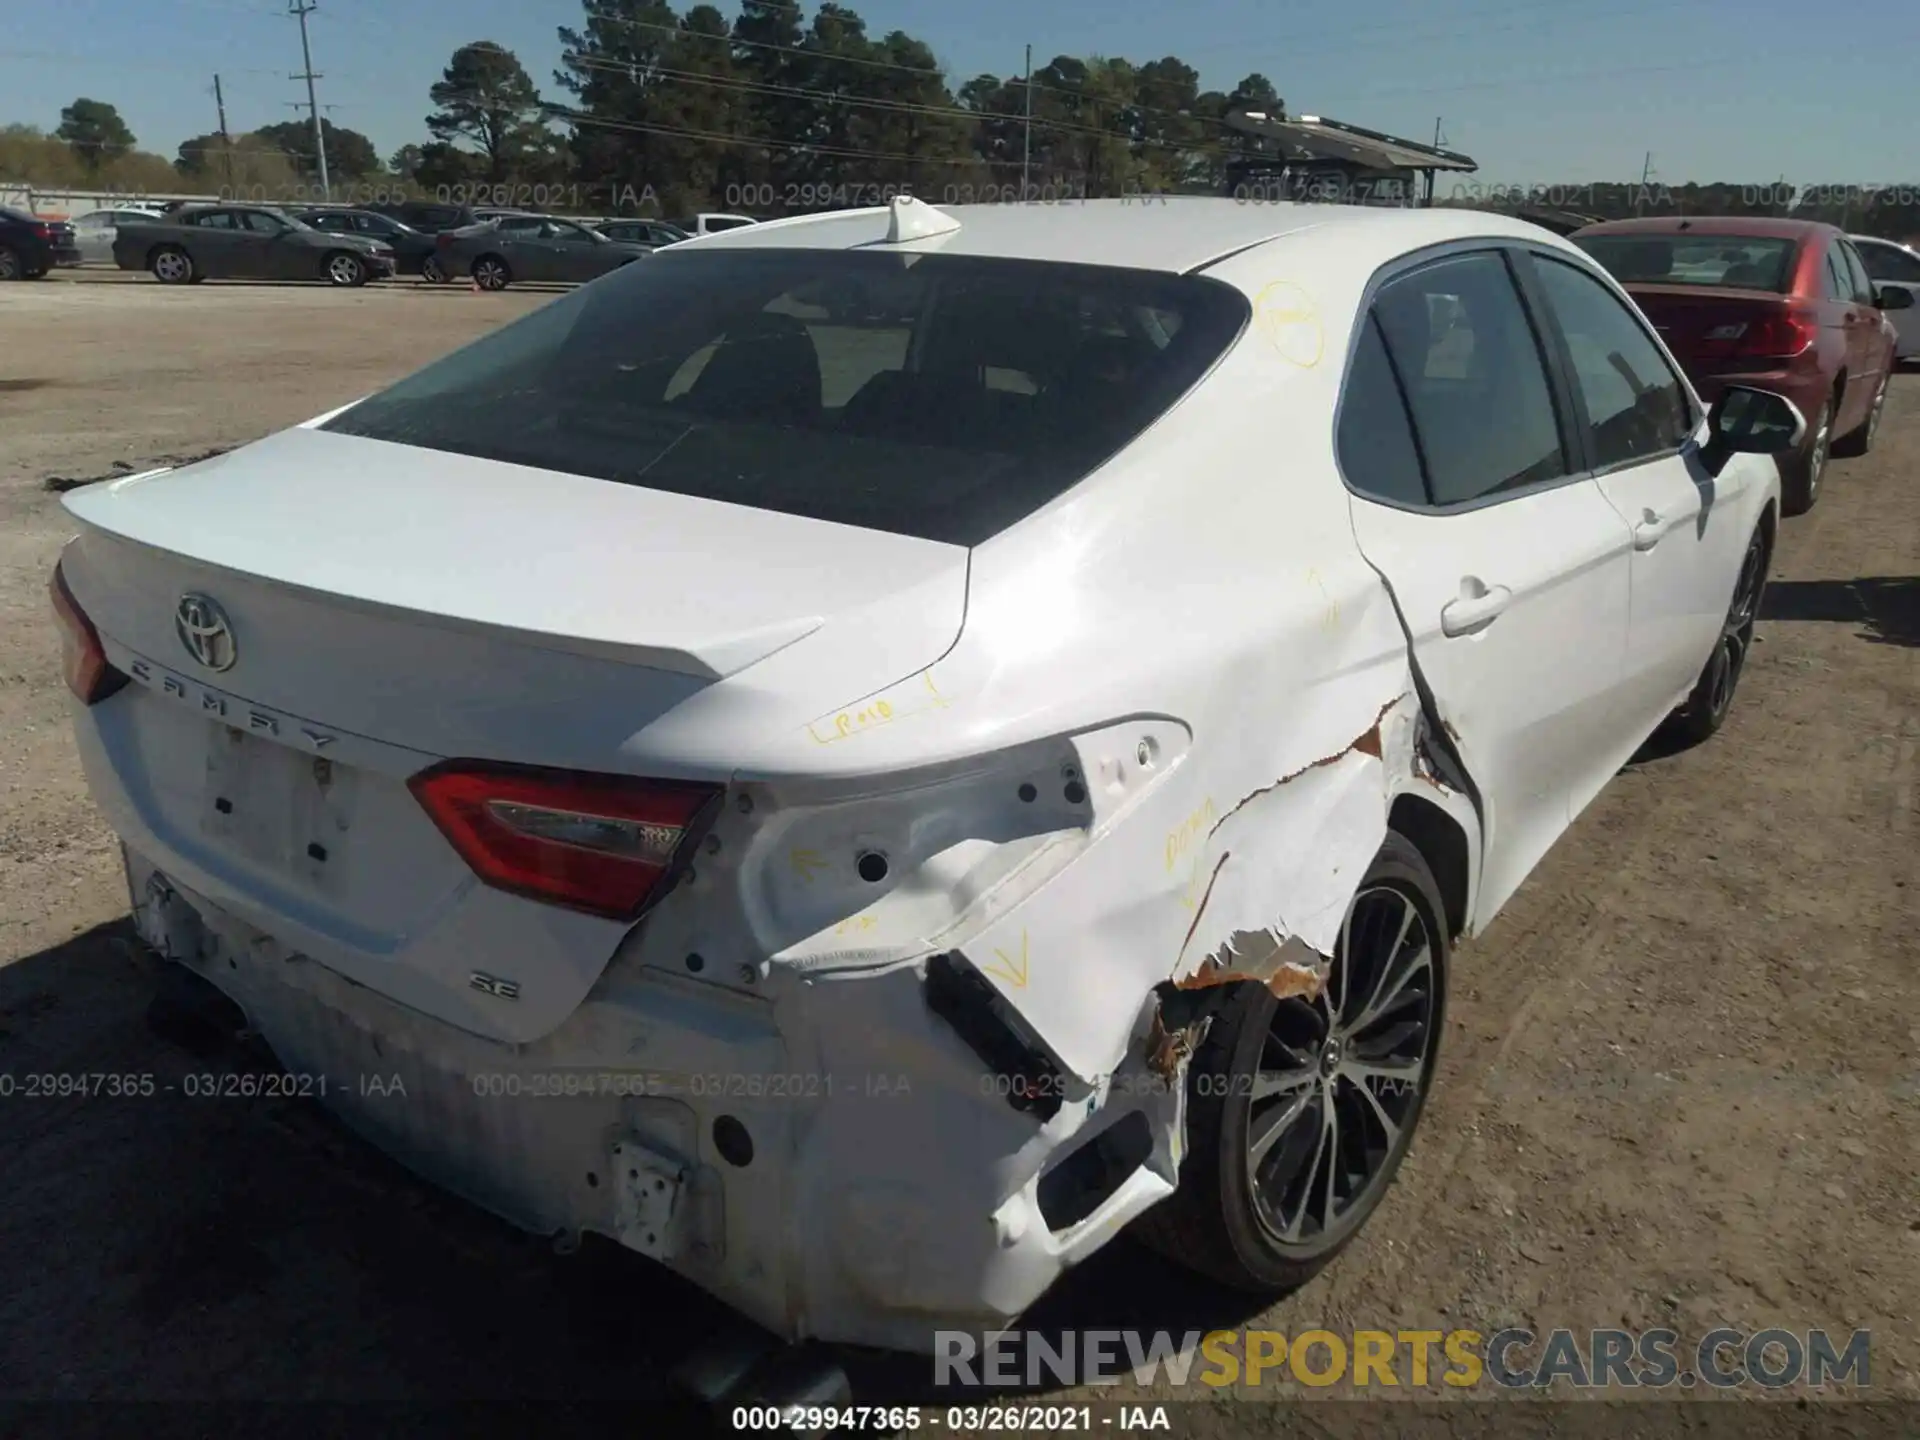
[1288, 317]
[1181, 838]
[807, 862]
[876, 713]
[1007, 970]
[1330, 619]
[858, 922]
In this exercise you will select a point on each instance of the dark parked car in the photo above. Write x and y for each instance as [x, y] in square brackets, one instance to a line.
[246, 242]
[30, 246]
[532, 247]
[1781, 305]
[413, 250]
[434, 217]
[653, 233]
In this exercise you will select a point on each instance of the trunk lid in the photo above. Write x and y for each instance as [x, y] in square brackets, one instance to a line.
[380, 608]
[1689, 318]
[454, 605]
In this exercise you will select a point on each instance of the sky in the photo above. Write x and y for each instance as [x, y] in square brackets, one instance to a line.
[1539, 92]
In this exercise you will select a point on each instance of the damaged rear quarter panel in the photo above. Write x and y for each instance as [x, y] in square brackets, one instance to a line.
[1214, 578]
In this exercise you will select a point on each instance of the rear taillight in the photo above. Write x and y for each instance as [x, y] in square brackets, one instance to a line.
[443, 240]
[45, 232]
[88, 674]
[600, 843]
[1776, 334]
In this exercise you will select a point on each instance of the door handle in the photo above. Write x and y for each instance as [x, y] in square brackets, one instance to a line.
[1479, 606]
[1650, 531]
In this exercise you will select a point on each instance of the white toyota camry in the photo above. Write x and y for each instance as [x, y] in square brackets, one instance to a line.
[868, 752]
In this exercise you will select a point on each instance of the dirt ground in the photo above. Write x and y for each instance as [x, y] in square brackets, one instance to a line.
[1681, 1083]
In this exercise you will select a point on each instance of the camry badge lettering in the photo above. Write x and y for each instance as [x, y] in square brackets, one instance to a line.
[205, 632]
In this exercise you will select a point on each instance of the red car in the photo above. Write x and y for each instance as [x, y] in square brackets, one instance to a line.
[1782, 305]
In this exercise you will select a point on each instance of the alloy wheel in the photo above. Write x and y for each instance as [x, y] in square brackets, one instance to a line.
[1736, 634]
[9, 265]
[1822, 445]
[172, 267]
[345, 270]
[1341, 1076]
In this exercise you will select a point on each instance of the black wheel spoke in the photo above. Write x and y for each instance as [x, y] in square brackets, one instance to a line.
[1339, 1076]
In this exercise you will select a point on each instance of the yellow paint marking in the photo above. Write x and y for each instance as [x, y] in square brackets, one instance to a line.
[807, 862]
[1330, 620]
[1289, 318]
[1007, 970]
[1181, 838]
[878, 712]
[858, 922]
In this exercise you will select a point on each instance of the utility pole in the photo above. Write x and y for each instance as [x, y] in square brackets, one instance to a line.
[1646, 174]
[1026, 144]
[1437, 141]
[300, 9]
[226, 141]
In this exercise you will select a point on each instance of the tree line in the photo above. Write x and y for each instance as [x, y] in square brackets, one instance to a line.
[654, 110]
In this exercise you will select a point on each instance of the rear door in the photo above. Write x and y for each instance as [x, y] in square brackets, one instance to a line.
[1640, 426]
[1509, 567]
[518, 238]
[1893, 267]
[1877, 348]
[1856, 324]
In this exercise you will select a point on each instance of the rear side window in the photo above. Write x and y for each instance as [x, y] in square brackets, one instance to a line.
[1857, 274]
[1887, 262]
[944, 397]
[1637, 407]
[1377, 452]
[1837, 284]
[1471, 367]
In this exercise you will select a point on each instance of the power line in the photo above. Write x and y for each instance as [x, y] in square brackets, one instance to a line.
[575, 117]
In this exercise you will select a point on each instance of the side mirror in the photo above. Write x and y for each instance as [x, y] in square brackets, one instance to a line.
[1746, 421]
[1893, 297]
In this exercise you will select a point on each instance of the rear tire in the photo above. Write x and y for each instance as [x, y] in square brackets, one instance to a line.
[1802, 472]
[172, 266]
[1254, 1155]
[11, 267]
[1849, 447]
[433, 272]
[490, 272]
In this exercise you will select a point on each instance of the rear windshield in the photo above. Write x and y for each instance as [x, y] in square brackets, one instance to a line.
[1734, 262]
[943, 397]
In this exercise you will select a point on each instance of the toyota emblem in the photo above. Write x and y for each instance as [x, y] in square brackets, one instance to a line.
[204, 630]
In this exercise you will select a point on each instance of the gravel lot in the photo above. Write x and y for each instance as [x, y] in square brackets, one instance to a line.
[1681, 1083]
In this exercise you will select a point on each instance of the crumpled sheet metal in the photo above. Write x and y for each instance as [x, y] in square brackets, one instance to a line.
[1284, 860]
[1260, 889]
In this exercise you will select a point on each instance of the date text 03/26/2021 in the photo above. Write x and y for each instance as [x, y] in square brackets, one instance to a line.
[960, 1419]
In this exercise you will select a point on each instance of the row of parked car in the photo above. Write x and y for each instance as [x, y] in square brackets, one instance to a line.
[183, 243]
[1789, 306]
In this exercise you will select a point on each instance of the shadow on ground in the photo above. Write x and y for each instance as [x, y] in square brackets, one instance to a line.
[157, 1245]
[1887, 608]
